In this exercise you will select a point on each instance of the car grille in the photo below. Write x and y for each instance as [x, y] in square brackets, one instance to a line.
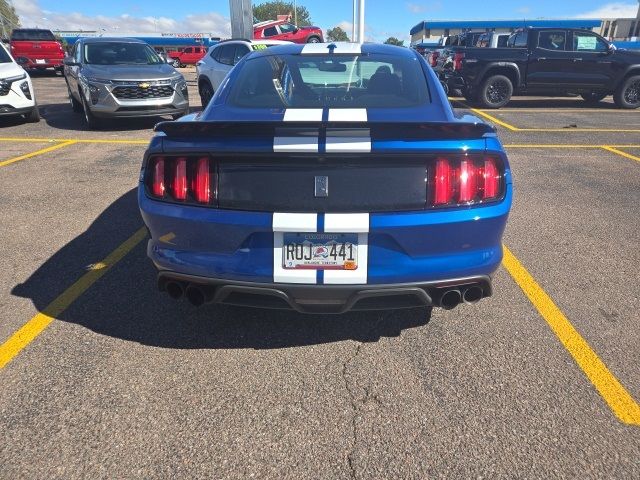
[135, 92]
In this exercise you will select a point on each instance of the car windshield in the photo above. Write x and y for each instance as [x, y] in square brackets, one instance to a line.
[4, 56]
[351, 81]
[26, 35]
[120, 53]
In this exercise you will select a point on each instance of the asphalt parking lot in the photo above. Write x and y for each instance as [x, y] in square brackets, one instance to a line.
[104, 377]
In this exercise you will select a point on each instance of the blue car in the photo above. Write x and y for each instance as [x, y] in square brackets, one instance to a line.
[326, 178]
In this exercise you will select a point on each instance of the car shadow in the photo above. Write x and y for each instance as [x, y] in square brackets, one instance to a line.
[127, 305]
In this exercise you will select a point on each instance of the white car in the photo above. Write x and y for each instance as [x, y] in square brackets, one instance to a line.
[220, 59]
[16, 90]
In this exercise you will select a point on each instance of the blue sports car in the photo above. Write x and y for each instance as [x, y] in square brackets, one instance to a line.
[326, 178]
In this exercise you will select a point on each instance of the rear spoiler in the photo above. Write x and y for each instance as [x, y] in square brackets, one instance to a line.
[376, 130]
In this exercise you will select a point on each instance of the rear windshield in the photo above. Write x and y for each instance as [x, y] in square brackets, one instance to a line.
[120, 53]
[351, 81]
[33, 34]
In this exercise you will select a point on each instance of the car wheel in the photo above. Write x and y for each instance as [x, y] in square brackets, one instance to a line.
[34, 115]
[495, 92]
[313, 40]
[206, 93]
[628, 93]
[89, 117]
[75, 105]
[175, 63]
[593, 97]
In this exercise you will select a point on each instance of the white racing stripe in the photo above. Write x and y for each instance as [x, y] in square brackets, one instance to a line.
[348, 144]
[295, 144]
[303, 115]
[346, 222]
[349, 223]
[341, 47]
[291, 222]
[295, 222]
[347, 114]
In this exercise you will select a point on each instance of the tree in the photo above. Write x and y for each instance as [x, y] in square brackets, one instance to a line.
[394, 41]
[271, 10]
[337, 34]
[8, 18]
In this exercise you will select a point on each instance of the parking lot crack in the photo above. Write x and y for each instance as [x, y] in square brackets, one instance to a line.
[354, 408]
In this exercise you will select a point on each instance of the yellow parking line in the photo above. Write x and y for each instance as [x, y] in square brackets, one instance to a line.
[561, 110]
[560, 145]
[76, 140]
[495, 120]
[34, 327]
[37, 152]
[621, 153]
[580, 130]
[619, 400]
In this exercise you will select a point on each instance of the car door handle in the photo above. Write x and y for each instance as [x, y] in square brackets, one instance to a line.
[541, 58]
[577, 59]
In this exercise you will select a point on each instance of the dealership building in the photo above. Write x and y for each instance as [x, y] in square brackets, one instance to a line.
[168, 41]
[615, 29]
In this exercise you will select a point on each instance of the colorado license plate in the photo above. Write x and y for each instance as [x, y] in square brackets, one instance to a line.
[320, 251]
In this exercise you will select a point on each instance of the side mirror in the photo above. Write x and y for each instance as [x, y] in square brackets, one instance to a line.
[612, 48]
[69, 62]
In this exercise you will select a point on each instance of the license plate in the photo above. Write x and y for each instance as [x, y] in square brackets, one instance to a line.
[40, 60]
[320, 251]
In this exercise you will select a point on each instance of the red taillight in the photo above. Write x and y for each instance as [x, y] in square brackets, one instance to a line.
[492, 179]
[182, 179]
[202, 181]
[157, 182]
[467, 180]
[443, 188]
[457, 61]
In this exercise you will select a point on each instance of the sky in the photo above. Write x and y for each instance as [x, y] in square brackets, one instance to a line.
[383, 18]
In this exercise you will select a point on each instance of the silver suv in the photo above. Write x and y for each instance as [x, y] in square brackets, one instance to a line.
[122, 77]
[219, 61]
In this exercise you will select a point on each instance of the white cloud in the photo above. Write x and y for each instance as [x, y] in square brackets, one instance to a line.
[524, 10]
[613, 10]
[415, 7]
[31, 14]
[346, 26]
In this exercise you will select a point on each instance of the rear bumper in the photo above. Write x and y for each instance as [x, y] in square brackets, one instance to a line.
[48, 63]
[326, 298]
[452, 80]
[402, 247]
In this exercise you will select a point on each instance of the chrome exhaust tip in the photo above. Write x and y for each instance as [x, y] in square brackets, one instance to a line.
[472, 295]
[450, 299]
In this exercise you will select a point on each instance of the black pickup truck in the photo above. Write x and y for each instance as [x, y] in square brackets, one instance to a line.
[546, 61]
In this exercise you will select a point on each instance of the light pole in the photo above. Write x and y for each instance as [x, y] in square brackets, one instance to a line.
[361, 21]
[295, 13]
[353, 23]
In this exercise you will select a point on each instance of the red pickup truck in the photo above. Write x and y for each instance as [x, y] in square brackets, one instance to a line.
[283, 30]
[187, 56]
[36, 48]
